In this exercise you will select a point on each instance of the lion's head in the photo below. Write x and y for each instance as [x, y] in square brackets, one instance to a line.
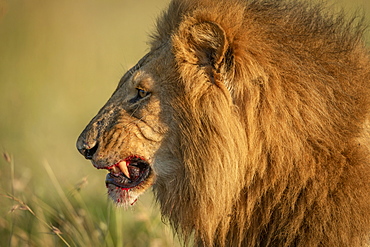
[245, 117]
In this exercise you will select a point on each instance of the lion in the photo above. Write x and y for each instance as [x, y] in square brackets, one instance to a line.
[249, 120]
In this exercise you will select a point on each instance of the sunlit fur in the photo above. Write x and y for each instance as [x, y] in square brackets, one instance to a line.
[266, 145]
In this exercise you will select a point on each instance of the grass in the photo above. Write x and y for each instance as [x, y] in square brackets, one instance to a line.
[70, 218]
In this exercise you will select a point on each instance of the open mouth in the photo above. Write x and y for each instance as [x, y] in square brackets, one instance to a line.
[128, 173]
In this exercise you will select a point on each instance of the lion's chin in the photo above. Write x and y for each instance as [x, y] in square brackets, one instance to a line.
[128, 196]
[123, 197]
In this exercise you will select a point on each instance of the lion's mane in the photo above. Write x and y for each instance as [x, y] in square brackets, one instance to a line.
[268, 126]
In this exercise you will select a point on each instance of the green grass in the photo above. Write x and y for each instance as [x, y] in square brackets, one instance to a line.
[71, 218]
[59, 62]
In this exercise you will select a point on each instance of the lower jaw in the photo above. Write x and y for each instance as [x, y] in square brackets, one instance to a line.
[123, 197]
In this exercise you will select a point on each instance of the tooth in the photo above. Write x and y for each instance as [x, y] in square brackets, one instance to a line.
[123, 167]
[115, 170]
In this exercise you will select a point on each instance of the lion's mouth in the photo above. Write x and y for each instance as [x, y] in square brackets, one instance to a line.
[128, 173]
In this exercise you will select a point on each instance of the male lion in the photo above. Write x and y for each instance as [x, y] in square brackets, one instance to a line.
[248, 118]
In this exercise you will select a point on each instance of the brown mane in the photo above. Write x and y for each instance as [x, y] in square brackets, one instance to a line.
[271, 142]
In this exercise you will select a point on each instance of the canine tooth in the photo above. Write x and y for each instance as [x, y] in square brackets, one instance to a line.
[123, 167]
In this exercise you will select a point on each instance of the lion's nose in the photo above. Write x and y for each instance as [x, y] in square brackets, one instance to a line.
[87, 151]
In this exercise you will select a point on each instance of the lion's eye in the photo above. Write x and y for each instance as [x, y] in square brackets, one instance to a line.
[142, 93]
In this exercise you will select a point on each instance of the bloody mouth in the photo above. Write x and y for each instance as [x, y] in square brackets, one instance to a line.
[128, 173]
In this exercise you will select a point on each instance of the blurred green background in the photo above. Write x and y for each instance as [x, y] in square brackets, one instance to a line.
[59, 63]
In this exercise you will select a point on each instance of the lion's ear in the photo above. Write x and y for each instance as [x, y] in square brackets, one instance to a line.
[203, 44]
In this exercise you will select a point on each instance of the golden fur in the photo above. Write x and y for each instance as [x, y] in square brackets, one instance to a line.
[255, 127]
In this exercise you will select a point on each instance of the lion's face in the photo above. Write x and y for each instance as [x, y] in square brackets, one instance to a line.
[162, 125]
[127, 132]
